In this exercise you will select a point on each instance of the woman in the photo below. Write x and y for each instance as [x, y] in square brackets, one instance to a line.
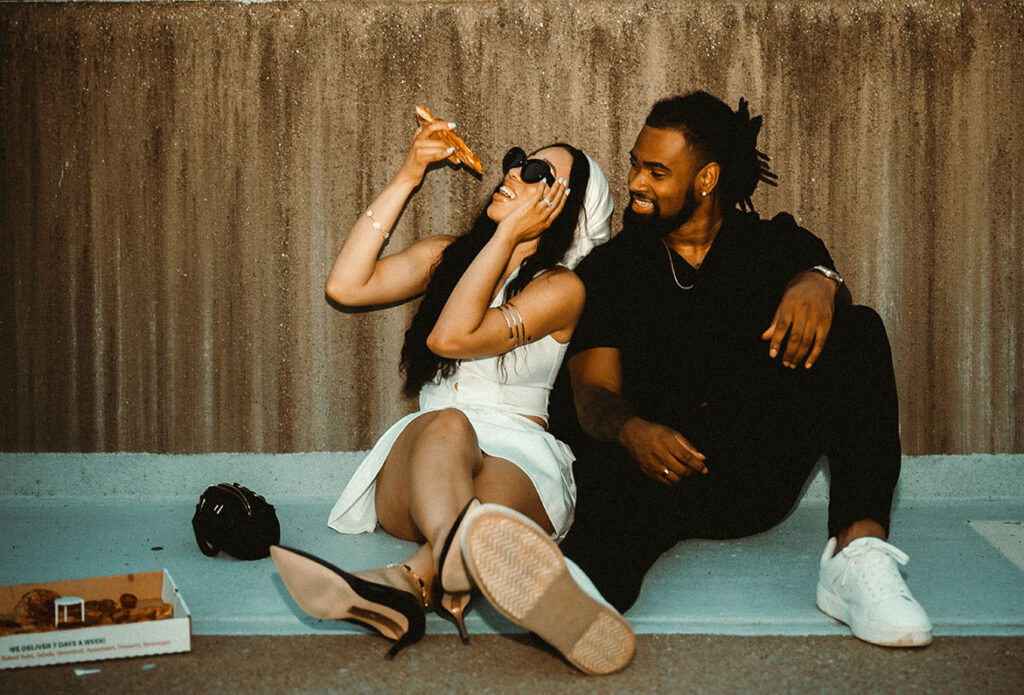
[500, 304]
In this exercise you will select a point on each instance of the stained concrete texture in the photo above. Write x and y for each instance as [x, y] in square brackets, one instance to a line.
[176, 178]
[716, 617]
[56, 524]
[762, 585]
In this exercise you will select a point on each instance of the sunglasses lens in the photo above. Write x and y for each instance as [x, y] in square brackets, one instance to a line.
[533, 170]
[515, 157]
[536, 169]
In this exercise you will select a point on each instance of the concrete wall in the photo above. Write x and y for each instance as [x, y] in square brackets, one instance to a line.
[176, 179]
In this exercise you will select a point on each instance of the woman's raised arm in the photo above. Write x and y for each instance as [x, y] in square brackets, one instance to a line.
[550, 304]
[358, 277]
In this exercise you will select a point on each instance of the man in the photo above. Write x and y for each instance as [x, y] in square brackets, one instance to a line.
[717, 359]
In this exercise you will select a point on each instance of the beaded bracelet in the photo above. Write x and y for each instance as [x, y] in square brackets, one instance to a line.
[377, 225]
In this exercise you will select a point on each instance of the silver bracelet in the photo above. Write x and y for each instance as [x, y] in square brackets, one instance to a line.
[508, 321]
[515, 323]
[520, 325]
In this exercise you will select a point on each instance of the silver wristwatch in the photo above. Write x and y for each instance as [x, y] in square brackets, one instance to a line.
[829, 273]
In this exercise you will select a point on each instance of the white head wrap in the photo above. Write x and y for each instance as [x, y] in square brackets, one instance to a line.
[595, 227]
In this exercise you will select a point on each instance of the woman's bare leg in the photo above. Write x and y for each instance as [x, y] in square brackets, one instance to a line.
[500, 481]
[428, 476]
[420, 569]
[434, 468]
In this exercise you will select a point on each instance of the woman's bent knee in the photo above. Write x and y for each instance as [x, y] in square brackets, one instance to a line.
[450, 423]
[442, 439]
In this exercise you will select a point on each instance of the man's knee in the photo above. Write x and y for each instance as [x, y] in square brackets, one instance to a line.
[859, 322]
[858, 337]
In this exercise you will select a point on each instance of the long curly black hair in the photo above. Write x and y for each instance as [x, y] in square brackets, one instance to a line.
[721, 135]
[419, 363]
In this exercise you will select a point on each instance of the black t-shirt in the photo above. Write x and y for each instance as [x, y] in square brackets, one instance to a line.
[677, 345]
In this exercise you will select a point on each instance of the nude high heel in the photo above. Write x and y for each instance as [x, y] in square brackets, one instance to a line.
[326, 592]
[455, 607]
[451, 601]
[520, 570]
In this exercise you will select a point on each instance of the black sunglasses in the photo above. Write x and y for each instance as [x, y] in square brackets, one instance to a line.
[533, 170]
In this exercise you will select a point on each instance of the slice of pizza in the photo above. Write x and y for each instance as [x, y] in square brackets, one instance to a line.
[462, 153]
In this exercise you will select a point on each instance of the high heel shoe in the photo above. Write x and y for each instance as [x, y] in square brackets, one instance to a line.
[520, 570]
[454, 607]
[451, 598]
[326, 592]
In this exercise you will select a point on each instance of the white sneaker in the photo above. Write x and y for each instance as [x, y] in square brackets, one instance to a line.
[862, 587]
[521, 571]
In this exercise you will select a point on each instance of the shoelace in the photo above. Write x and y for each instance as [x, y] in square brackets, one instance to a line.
[875, 569]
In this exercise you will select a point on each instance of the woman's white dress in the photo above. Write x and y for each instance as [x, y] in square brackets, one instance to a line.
[494, 394]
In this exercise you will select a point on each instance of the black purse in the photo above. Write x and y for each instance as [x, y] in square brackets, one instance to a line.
[235, 519]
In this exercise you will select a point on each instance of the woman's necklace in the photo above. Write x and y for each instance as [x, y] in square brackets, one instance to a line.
[672, 265]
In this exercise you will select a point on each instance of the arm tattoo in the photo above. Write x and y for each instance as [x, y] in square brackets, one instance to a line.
[602, 413]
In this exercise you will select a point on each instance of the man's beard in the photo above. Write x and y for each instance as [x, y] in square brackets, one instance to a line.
[654, 225]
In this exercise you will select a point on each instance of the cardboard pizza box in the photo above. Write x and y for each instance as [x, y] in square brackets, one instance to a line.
[68, 640]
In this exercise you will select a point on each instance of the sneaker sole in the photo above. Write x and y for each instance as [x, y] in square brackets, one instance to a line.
[885, 636]
[523, 574]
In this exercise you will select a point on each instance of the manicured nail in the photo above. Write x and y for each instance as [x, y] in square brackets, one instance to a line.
[451, 149]
[567, 192]
[452, 126]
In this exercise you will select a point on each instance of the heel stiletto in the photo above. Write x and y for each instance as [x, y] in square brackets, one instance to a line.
[456, 606]
[452, 606]
[326, 592]
[450, 602]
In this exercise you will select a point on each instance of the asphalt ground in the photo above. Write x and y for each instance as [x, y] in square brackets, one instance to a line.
[522, 663]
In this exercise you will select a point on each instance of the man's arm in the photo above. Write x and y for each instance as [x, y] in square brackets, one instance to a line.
[606, 415]
[596, 376]
[805, 314]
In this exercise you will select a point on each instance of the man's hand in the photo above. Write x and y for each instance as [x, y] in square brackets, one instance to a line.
[664, 455]
[604, 414]
[805, 313]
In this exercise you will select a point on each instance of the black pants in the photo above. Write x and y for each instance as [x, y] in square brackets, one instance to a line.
[762, 431]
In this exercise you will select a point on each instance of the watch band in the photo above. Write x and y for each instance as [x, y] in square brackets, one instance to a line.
[829, 273]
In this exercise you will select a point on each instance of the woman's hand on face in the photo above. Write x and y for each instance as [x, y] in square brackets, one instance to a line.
[537, 211]
[424, 151]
